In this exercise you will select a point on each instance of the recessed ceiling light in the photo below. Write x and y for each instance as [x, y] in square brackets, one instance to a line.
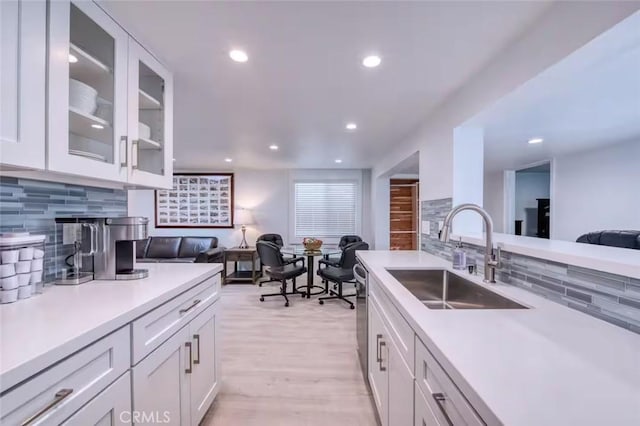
[338, 161]
[273, 147]
[228, 160]
[351, 126]
[239, 55]
[534, 141]
[72, 59]
[371, 61]
[97, 126]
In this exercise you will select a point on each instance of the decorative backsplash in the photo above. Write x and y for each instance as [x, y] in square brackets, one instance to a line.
[31, 205]
[610, 297]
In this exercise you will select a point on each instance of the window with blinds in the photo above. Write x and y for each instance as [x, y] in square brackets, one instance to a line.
[325, 209]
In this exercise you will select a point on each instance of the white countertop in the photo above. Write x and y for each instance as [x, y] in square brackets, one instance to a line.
[37, 332]
[614, 260]
[547, 365]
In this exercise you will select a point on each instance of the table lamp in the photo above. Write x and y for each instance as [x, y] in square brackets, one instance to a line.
[243, 217]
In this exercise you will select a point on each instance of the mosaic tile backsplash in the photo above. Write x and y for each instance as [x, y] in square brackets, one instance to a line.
[612, 298]
[31, 205]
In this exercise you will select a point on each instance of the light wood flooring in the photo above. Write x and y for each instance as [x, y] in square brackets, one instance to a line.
[288, 366]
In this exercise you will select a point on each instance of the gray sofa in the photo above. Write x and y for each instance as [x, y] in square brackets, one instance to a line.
[179, 250]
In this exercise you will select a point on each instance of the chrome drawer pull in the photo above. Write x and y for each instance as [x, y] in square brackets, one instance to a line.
[196, 337]
[378, 356]
[382, 343]
[189, 370]
[59, 396]
[193, 305]
[440, 398]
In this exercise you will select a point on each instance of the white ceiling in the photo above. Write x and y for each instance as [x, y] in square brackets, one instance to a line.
[304, 79]
[588, 100]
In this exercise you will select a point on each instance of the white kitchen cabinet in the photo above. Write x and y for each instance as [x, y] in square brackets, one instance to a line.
[390, 377]
[401, 385]
[205, 379]
[378, 377]
[112, 407]
[150, 120]
[87, 92]
[423, 415]
[161, 380]
[23, 30]
[59, 391]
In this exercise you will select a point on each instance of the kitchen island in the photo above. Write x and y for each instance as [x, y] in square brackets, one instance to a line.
[155, 336]
[544, 365]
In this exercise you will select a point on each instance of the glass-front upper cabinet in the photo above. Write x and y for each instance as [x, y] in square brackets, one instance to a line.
[87, 105]
[150, 119]
[23, 32]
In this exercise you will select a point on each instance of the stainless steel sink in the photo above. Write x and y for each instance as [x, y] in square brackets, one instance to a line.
[440, 289]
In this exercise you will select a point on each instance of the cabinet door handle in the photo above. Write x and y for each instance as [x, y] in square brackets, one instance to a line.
[439, 398]
[193, 305]
[189, 369]
[196, 337]
[58, 397]
[124, 151]
[135, 146]
[382, 343]
[378, 356]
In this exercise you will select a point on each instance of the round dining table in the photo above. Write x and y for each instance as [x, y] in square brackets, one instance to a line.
[323, 252]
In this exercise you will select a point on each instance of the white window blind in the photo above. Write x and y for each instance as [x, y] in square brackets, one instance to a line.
[325, 209]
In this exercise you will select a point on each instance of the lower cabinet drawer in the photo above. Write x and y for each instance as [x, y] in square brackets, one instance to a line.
[53, 395]
[446, 401]
[153, 328]
[111, 407]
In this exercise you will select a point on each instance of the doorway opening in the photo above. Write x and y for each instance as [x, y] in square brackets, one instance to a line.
[531, 201]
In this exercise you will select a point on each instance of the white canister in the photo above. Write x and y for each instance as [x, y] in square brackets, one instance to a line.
[24, 279]
[23, 266]
[36, 277]
[36, 264]
[8, 296]
[26, 253]
[10, 256]
[38, 254]
[9, 283]
[24, 292]
[7, 269]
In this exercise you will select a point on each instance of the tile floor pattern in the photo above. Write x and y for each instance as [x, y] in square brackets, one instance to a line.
[288, 366]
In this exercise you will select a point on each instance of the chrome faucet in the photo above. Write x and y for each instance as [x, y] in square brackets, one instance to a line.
[491, 259]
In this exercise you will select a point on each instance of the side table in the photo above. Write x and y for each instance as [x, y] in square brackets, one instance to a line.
[235, 255]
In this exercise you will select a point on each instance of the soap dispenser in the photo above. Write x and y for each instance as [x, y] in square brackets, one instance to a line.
[459, 256]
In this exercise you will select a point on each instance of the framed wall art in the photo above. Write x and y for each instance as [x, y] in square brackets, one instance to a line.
[196, 200]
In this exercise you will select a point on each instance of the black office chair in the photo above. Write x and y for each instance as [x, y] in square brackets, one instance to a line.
[341, 272]
[277, 240]
[345, 240]
[279, 269]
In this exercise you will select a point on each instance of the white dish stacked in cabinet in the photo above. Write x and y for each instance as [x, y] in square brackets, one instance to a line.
[21, 270]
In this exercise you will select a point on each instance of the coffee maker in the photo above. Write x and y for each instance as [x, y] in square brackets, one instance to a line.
[104, 248]
[116, 254]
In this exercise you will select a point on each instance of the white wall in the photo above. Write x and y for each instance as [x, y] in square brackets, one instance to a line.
[268, 194]
[265, 192]
[566, 27]
[494, 199]
[597, 190]
[529, 187]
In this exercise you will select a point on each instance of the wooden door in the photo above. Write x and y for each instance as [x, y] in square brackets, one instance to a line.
[403, 214]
